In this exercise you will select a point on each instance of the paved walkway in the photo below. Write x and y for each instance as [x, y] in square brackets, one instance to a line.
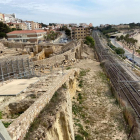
[3, 132]
[16, 86]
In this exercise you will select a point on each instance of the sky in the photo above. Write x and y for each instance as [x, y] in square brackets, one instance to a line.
[74, 11]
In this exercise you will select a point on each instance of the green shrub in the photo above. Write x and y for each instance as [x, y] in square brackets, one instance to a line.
[0, 114]
[68, 68]
[81, 83]
[79, 96]
[6, 124]
[89, 41]
[78, 137]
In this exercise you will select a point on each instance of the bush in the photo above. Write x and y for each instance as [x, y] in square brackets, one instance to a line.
[119, 51]
[0, 114]
[2, 34]
[89, 41]
[6, 124]
[78, 137]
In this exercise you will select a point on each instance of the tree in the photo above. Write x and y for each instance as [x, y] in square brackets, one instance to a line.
[51, 36]
[67, 32]
[120, 51]
[89, 41]
[2, 34]
[4, 29]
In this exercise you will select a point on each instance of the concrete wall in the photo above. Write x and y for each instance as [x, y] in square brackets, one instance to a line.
[20, 126]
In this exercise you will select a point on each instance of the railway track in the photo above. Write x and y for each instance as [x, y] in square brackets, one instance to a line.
[118, 76]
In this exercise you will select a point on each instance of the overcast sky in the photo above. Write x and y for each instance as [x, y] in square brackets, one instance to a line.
[74, 11]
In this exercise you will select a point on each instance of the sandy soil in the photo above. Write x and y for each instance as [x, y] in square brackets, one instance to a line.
[98, 114]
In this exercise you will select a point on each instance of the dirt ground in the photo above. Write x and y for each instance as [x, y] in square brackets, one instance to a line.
[96, 113]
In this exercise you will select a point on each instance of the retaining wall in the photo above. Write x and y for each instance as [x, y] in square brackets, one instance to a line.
[20, 126]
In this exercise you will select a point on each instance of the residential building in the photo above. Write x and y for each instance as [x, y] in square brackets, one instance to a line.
[40, 26]
[1, 17]
[73, 25]
[35, 25]
[11, 25]
[83, 24]
[90, 25]
[31, 25]
[27, 35]
[9, 18]
[21, 26]
[80, 32]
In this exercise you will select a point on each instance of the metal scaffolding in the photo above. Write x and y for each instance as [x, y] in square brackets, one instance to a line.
[16, 69]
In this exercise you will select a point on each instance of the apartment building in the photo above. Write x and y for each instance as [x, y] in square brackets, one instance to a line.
[80, 32]
[21, 26]
[40, 26]
[27, 35]
[32, 25]
[35, 25]
[9, 18]
[1, 17]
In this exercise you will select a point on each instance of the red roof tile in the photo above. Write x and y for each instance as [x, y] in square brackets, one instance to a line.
[26, 32]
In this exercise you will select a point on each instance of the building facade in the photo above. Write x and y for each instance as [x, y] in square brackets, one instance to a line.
[1, 17]
[21, 26]
[80, 32]
[32, 25]
[27, 35]
[9, 18]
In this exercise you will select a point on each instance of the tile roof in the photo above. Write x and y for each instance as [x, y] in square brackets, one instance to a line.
[26, 32]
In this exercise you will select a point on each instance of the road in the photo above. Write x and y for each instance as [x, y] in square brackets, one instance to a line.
[127, 53]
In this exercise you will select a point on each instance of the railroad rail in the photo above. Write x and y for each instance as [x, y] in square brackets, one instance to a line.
[126, 90]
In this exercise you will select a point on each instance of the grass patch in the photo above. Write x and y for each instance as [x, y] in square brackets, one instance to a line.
[81, 130]
[6, 124]
[76, 109]
[64, 86]
[103, 76]
[79, 96]
[68, 68]
[78, 137]
[0, 114]
[83, 72]
[55, 96]
[81, 83]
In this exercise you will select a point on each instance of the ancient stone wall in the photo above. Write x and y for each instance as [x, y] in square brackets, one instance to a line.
[57, 59]
[20, 126]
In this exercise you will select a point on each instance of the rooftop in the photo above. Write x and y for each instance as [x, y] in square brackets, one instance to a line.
[26, 32]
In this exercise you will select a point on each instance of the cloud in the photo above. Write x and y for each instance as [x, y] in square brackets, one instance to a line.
[95, 11]
[58, 7]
